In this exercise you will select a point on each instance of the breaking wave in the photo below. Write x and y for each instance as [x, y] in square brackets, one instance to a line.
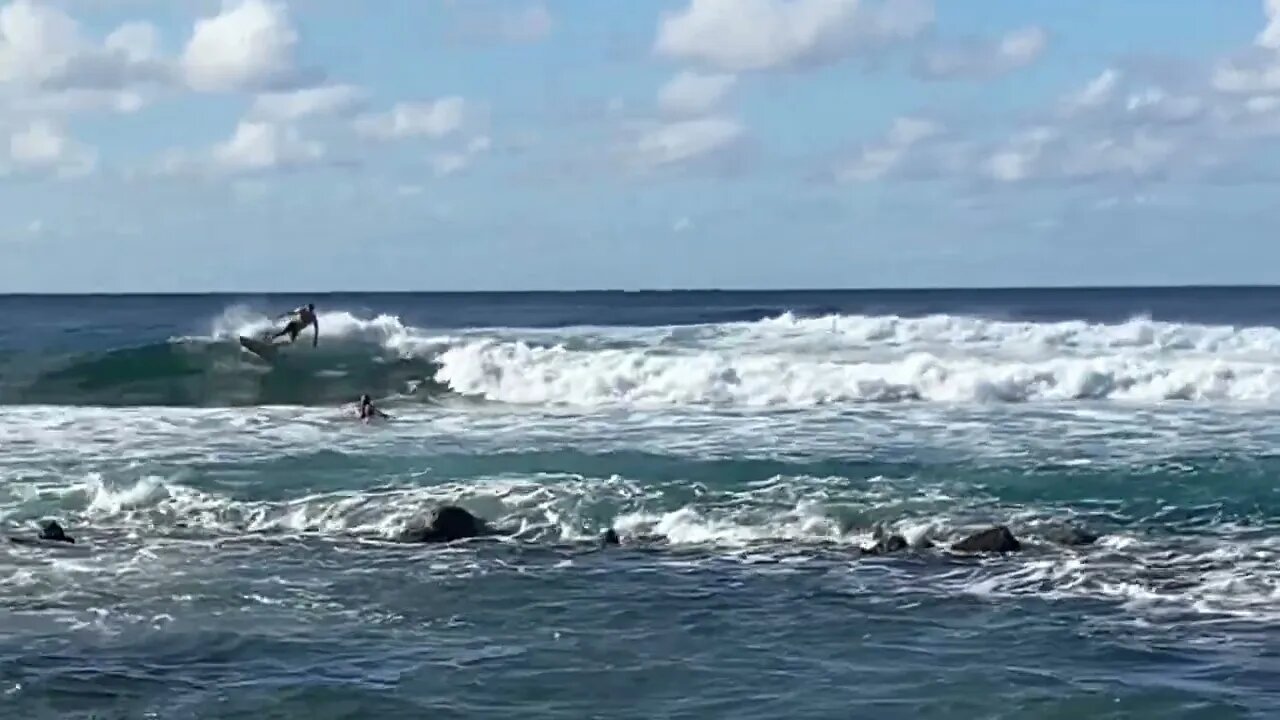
[784, 361]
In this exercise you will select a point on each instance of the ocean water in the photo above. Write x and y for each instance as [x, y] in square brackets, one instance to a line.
[233, 522]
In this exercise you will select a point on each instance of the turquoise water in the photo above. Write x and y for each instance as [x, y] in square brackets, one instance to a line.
[233, 523]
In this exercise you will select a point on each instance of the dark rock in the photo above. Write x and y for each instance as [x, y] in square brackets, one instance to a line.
[50, 532]
[610, 537]
[53, 531]
[446, 524]
[1071, 536]
[997, 539]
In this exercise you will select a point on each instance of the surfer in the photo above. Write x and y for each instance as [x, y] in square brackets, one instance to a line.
[303, 316]
[368, 411]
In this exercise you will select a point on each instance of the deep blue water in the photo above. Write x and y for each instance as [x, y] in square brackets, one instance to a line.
[233, 521]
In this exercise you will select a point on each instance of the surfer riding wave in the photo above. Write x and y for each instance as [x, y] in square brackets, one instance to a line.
[302, 317]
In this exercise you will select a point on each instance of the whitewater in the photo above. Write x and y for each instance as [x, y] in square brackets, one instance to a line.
[236, 528]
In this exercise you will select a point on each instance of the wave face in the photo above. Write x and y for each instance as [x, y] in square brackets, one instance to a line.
[377, 355]
[784, 360]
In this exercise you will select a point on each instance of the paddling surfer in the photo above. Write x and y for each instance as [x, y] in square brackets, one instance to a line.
[302, 317]
[368, 411]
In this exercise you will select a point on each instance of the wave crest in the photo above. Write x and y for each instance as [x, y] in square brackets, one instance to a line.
[783, 361]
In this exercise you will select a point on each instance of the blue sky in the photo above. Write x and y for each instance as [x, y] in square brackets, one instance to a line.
[203, 145]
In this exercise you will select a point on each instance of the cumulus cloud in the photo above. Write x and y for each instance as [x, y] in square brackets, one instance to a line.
[452, 163]
[983, 60]
[35, 40]
[42, 146]
[1047, 154]
[136, 41]
[1128, 126]
[49, 64]
[691, 93]
[266, 146]
[919, 148]
[1096, 93]
[249, 45]
[255, 147]
[685, 141]
[1257, 70]
[308, 102]
[745, 35]
[415, 119]
[899, 152]
[1270, 35]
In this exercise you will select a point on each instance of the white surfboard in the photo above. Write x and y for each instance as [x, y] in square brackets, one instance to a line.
[265, 350]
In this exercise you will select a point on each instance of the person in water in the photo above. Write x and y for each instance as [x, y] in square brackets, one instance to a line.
[368, 411]
[303, 316]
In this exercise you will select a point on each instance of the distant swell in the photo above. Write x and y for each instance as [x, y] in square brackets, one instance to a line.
[785, 361]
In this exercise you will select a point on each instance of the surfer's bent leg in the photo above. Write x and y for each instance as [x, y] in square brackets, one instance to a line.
[291, 330]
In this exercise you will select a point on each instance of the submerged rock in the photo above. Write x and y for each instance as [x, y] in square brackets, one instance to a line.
[997, 539]
[1070, 535]
[50, 532]
[446, 524]
[53, 531]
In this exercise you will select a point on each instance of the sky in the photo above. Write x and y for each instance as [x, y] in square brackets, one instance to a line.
[323, 145]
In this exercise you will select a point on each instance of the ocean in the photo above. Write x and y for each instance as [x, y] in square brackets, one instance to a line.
[235, 526]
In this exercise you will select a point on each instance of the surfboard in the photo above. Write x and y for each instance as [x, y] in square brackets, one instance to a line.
[265, 350]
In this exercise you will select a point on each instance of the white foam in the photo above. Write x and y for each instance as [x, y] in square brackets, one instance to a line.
[787, 361]
[339, 326]
[515, 372]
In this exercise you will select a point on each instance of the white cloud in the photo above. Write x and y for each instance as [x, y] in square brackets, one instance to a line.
[247, 46]
[1020, 158]
[1256, 74]
[1096, 93]
[405, 120]
[44, 52]
[1270, 35]
[916, 148]
[1157, 105]
[1119, 100]
[34, 40]
[893, 153]
[451, 163]
[68, 102]
[691, 93]
[42, 146]
[683, 141]
[1146, 124]
[446, 164]
[742, 35]
[308, 102]
[254, 147]
[257, 146]
[136, 41]
[1017, 49]
[1257, 71]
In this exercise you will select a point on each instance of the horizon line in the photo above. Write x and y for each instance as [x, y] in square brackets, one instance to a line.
[651, 291]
